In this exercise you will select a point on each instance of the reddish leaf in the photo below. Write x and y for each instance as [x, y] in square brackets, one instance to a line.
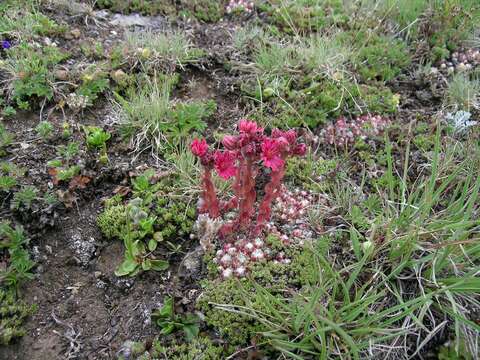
[122, 190]
[79, 182]
[53, 173]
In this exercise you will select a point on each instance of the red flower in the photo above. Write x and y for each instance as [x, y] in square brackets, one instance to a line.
[225, 164]
[271, 154]
[249, 127]
[199, 147]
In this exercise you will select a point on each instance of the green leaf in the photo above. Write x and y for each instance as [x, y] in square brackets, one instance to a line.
[159, 265]
[128, 266]
[167, 328]
[152, 245]
[146, 265]
[191, 331]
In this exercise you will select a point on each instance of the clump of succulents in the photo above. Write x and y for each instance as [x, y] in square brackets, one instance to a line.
[240, 5]
[242, 158]
[462, 60]
[342, 132]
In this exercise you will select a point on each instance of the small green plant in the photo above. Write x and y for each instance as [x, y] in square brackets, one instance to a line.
[169, 321]
[138, 256]
[24, 197]
[69, 151]
[61, 168]
[19, 267]
[8, 175]
[94, 81]
[96, 137]
[66, 130]
[7, 182]
[31, 72]
[44, 129]
[6, 139]
[25, 21]
[154, 217]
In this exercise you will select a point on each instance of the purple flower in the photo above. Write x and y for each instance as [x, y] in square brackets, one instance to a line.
[6, 44]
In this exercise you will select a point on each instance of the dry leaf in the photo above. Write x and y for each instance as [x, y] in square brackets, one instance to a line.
[79, 182]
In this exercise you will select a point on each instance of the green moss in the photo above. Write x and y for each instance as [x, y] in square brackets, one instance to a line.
[381, 57]
[305, 15]
[309, 173]
[175, 218]
[13, 313]
[201, 348]
[112, 221]
[238, 329]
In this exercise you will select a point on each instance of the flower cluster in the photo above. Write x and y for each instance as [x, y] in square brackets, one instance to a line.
[240, 5]
[343, 132]
[241, 159]
[463, 60]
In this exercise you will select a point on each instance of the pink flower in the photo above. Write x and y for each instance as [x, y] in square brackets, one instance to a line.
[225, 164]
[230, 142]
[249, 127]
[199, 147]
[271, 150]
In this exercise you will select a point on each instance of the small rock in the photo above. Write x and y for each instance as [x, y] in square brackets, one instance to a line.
[76, 33]
[97, 274]
[61, 75]
[84, 249]
[118, 76]
[191, 264]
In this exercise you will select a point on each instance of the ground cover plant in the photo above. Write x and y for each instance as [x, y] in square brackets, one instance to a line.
[267, 179]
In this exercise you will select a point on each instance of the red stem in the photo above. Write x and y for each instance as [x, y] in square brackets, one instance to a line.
[271, 192]
[209, 195]
[247, 201]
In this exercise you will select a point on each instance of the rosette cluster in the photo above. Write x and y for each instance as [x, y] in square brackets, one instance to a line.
[240, 5]
[462, 60]
[343, 132]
